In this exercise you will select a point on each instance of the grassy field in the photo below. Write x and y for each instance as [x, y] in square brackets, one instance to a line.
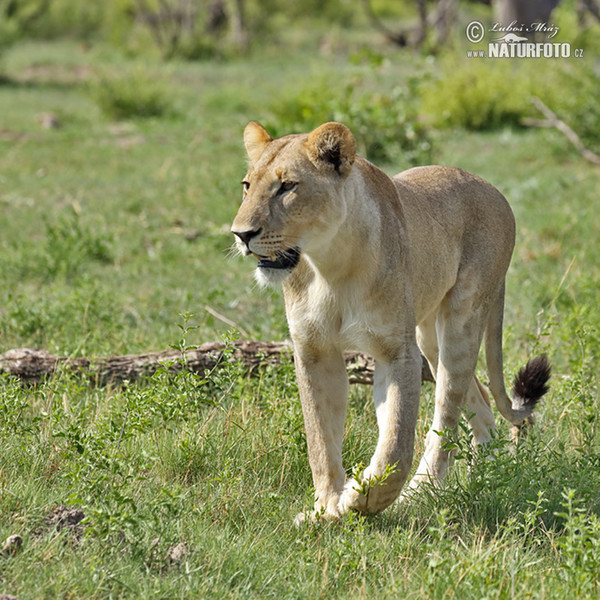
[112, 229]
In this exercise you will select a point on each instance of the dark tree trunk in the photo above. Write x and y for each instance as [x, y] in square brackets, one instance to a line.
[524, 12]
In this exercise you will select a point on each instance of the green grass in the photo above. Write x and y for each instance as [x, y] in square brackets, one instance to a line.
[109, 231]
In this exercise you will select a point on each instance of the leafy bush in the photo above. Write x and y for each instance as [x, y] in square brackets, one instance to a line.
[132, 93]
[83, 20]
[386, 125]
[18, 18]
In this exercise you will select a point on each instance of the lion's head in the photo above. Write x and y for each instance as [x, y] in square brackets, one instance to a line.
[292, 199]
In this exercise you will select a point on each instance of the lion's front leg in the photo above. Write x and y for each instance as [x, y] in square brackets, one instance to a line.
[396, 393]
[323, 386]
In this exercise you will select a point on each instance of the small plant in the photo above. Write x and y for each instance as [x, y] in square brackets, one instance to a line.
[182, 343]
[70, 243]
[131, 94]
[364, 485]
[580, 547]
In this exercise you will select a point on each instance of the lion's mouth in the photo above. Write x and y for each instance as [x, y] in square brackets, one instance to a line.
[287, 259]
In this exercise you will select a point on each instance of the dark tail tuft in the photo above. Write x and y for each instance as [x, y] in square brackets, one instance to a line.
[531, 382]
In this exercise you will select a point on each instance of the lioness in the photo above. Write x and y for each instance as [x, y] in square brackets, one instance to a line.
[388, 266]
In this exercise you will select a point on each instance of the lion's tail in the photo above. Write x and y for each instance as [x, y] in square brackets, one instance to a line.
[530, 383]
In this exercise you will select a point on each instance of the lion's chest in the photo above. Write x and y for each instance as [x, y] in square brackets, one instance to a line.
[342, 318]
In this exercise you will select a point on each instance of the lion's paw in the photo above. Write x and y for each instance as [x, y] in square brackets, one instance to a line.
[352, 498]
[320, 513]
[300, 519]
[315, 516]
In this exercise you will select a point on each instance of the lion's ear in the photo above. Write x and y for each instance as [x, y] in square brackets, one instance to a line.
[332, 144]
[256, 138]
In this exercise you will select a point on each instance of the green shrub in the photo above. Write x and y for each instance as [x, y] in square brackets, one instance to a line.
[132, 93]
[478, 95]
[18, 19]
[483, 95]
[83, 20]
[386, 125]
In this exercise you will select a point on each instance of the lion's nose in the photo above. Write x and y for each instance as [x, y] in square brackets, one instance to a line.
[246, 236]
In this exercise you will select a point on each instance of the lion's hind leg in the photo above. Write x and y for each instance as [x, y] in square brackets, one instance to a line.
[455, 338]
[479, 413]
[477, 404]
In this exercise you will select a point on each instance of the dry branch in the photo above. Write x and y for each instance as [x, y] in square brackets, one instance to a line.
[31, 365]
[551, 120]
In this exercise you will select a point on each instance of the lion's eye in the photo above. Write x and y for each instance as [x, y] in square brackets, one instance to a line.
[246, 185]
[286, 186]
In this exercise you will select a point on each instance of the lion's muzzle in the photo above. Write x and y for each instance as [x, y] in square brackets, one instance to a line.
[245, 237]
[286, 259]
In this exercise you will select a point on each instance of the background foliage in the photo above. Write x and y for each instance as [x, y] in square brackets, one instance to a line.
[119, 176]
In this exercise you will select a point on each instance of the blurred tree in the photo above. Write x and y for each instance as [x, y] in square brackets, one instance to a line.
[190, 28]
[442, 19]
[238, 25]
[217, 16]
[524, 11]
[169, 21]
[587, 7]
[439, 19]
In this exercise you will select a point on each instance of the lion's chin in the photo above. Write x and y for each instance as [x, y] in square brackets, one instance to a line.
[266, 277]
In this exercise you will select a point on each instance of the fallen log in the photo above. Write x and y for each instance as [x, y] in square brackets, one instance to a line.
[32, 365]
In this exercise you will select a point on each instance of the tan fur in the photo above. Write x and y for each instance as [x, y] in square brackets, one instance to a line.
[384, 263]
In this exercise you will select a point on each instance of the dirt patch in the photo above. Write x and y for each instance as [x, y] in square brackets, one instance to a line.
[63, 518]
[54, 74]
[177, 554]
